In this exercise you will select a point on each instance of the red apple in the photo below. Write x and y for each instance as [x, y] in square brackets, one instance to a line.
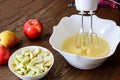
[33, 29]
[4, 54]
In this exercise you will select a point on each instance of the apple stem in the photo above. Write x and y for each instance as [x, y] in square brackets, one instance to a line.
[32, 23]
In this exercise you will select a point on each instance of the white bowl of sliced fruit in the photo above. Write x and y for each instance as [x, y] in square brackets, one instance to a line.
[31, 62]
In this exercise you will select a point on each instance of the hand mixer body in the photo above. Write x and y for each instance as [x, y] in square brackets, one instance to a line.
[86, 5]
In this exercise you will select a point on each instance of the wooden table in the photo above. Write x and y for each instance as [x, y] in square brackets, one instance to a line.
[14, 13]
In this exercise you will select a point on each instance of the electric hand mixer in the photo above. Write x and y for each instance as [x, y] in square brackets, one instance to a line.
[82, 38]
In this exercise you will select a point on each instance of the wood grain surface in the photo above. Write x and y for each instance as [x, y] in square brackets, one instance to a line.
[13, 15]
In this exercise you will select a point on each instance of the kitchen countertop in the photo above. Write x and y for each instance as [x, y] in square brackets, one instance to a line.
[13, 15]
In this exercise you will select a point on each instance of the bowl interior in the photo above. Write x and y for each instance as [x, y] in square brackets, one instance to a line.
[29, 77]
[69, 26]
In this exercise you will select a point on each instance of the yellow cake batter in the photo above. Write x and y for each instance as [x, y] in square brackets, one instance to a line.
[101, 50]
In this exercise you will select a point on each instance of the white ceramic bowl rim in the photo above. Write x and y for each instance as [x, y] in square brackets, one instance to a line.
[73, 20]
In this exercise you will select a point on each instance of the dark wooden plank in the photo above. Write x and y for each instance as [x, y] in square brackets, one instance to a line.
[14, 13]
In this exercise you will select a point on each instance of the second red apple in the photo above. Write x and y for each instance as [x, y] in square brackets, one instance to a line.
[33, 29]
[4, 54]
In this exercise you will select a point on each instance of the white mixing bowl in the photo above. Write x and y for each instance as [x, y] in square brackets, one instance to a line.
[68, 26]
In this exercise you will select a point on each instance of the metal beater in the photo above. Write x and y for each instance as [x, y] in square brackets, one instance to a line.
[82, 38]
